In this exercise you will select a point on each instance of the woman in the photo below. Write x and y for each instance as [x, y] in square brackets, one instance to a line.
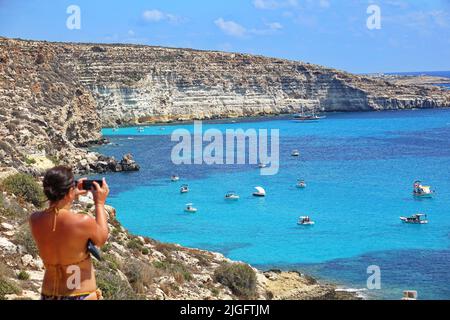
[62, 235]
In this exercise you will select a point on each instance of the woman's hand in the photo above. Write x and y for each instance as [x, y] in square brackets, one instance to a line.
[79, 188]
[100, 193]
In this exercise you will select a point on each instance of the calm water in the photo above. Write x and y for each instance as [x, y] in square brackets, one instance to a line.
[359, 168]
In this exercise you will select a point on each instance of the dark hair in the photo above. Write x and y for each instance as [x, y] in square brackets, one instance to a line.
[57, 182]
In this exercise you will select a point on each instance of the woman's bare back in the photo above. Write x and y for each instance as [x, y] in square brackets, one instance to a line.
[62, 246]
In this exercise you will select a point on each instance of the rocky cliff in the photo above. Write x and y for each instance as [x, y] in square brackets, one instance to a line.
[55, 97]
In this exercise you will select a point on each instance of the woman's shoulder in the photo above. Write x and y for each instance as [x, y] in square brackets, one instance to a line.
[81, 216]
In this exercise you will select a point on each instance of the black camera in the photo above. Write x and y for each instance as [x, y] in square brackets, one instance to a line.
[89, 184]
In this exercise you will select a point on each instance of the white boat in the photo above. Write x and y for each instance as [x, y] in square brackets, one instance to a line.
[418, 218]
[231, 195]
[308, 116]
[301, 184]
[190, 208]
[305, 221]
[295, 153]
[409, 295]
[140, 129]
[422, 191]
[260, 192]
[184, 188]
[262, 165]
[174, 178]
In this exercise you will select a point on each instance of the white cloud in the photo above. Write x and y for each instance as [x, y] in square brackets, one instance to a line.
[324, 4]
[274, 4]
[234, 29]
[155, 15]
[275, 26]
[422, 21]
[231, 28]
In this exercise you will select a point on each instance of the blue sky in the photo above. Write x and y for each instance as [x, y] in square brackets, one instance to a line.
[414, 35]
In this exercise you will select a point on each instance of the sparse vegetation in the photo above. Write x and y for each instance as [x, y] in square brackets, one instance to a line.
[23, 275]
[24, 186]
[11, 209]
[140, 275]
[113, 286]
[24, 238]
[239, 277]
[135, 244]
[176, 268]
[30, 161]
[54, 159]
[7, 286]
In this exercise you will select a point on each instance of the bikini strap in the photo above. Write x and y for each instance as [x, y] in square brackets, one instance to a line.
[55, 215]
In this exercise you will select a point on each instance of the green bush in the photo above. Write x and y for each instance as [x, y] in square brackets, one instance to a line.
[239, 277]
[23, 185]
[145, 251]
[106, 247]
[7, 287]
[23, 275]
[113, 287]
[174, 268]
[140, 275]
[12, 209]
[134, 244]
[24, 238]
[30, 161]
[112, 261]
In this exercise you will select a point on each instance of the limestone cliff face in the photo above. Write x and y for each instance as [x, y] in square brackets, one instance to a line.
[44, 110]
[138, 84]
[55, 97]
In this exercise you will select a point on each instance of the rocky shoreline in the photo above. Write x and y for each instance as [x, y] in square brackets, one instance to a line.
[136, 267]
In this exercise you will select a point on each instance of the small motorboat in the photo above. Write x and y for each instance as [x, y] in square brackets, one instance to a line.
[301, 184]
[418, 218]
[305, 221]
[190, 208]
[231, 195]
[262, 165]
[174, 178]
[422, 191]
[115, 129]
[184, 188]
[140, 129]
[295, 153]
[260, 192]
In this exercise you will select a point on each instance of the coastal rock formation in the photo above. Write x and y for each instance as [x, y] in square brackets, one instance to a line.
[55, 97]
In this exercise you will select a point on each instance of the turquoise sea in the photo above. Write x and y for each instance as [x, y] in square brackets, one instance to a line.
[359, 169]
